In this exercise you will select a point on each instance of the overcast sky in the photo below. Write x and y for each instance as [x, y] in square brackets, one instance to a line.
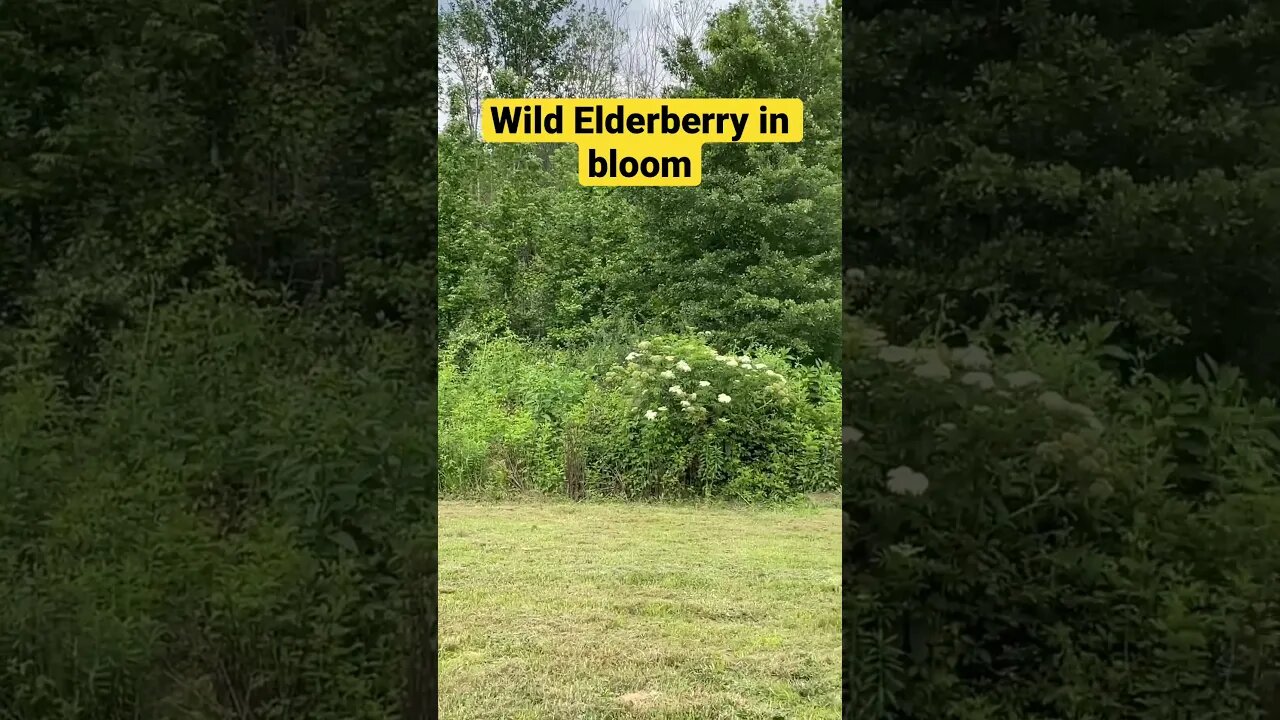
[635, 10]
[633, 13]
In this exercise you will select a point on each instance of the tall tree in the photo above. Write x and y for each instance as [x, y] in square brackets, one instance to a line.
[755, 248]
[1078, 158]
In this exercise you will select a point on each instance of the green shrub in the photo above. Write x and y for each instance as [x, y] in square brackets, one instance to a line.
[1077, 158]
[1030, 538]
[677, 416]
[519, 416]
[218, 528]
[503, 415]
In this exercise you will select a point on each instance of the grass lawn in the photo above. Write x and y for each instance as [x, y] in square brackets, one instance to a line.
[602, 610]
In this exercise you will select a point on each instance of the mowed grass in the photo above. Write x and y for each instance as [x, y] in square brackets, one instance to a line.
[593, 611]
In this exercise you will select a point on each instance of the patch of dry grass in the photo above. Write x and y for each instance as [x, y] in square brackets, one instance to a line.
[595, 611]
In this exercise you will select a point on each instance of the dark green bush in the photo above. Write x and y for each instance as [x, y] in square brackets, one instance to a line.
[677, 416]
[503, 415]
[751, 254]
[220, 528]
[1081, 159]
[1030, 538]
[519, 415]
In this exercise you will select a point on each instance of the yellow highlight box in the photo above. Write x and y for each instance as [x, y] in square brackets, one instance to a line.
[651, 141]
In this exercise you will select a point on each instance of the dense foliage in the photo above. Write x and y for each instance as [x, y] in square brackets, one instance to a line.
[1089, 160]
[217, 326]
[545, 285]
[1028, 537]
[672, 418]
[222, 526]
[1059, 212]
[216, 378]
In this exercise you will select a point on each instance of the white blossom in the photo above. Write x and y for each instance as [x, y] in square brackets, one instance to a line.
[980, 379]
[703, 383]
[873, 338]
[902, 480]
[1022, 378]
[851, 434]
[929, 355]
[895, 354]
[933, 371]
[724, 398]
[675, 390]
[683, 366]
[644, 345]
[652, 414]
[1054, 402]
[972, 358]
[667, 374]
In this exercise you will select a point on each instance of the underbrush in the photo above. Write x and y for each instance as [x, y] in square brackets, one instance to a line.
[1030, 537]
[673, 417]
[234, 522]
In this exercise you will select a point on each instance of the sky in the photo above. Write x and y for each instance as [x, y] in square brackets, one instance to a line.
[635, 8]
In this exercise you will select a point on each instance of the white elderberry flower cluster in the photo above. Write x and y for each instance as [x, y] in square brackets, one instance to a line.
[649, 360]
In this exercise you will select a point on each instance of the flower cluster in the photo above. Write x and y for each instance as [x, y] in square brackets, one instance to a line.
[692, 416]
[695, 378]
[970, 366]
